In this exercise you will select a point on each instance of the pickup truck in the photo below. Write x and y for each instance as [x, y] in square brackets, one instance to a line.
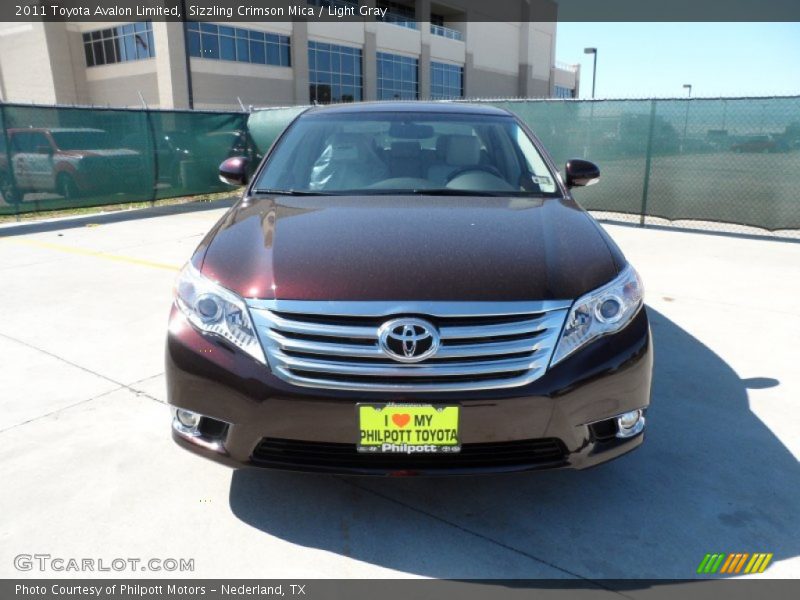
[71, 162]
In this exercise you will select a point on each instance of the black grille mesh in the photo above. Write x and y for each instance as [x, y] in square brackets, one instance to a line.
[324, 455]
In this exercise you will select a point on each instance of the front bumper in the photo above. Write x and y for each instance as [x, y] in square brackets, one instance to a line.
[557, 421]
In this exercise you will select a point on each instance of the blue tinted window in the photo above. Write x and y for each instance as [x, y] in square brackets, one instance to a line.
[397, 77]
[273, 54]
[119, 44]
[447, 81]
[334, 73]
[257, 53]
[564, 92]
[220, 42]
[194, 43]
[242, 49]
[210, 46]
[324, 61]
[120, 49]
[227, 48]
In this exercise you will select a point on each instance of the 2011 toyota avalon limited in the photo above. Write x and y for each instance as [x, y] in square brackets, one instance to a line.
[408, 288]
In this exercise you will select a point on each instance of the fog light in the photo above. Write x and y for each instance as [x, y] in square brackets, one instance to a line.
[630, 423]
[187, 418]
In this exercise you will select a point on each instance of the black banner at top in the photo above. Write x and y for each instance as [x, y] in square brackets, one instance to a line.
[372, 10]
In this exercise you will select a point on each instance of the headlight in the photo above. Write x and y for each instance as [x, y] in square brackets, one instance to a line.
[213, 309]
[600, 312]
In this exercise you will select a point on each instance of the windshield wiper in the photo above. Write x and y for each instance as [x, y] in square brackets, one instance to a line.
[453, 192]
[293, 192]
[421, 192]
[457, 192]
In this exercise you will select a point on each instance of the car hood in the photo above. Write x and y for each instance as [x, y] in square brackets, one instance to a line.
[408, 248]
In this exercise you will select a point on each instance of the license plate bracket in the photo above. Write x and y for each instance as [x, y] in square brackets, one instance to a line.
[389, 428]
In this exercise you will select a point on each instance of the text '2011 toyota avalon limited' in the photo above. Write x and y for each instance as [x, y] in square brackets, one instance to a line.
[408, 288]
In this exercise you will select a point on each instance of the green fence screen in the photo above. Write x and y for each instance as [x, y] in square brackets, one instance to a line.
[56, 157]
[712, 160]
[724, 160]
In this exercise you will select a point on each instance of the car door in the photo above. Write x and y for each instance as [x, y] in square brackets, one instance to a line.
[41, 166]
[20, 155]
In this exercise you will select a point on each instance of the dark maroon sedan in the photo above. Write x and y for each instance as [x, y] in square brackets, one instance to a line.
[408, 289]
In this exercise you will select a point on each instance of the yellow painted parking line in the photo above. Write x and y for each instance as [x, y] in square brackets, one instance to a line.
[95, 253]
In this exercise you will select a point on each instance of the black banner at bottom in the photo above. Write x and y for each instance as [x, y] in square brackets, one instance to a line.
[405, 589]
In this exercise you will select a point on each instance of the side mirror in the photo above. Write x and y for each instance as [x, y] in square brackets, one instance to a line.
[233, 171]
[581, 173]
[44, 150]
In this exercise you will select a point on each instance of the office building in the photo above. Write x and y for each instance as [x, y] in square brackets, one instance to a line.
[418, 50]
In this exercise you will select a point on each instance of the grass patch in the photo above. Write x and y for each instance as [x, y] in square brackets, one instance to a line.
[110, 208]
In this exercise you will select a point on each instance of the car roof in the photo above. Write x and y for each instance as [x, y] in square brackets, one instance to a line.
[409, 106]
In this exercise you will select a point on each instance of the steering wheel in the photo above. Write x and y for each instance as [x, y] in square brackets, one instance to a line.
[469, 168]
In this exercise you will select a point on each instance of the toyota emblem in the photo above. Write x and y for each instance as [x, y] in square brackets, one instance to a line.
[408, 340]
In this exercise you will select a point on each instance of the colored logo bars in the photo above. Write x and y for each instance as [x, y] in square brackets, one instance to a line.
[734, 563]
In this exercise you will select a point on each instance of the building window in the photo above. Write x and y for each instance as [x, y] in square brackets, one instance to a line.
[397, 14]
[119, 44]
[447, 81]
[397, 77]
[334, 73]
[219, 42]
[564, 92]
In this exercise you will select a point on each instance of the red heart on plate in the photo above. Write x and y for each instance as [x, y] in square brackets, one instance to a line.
[401, 420]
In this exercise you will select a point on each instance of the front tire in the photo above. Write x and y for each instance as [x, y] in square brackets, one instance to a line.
[67, 187]
[8, 191]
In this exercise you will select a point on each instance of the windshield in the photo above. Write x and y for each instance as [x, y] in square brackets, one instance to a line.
[379, 153]
[82, 140]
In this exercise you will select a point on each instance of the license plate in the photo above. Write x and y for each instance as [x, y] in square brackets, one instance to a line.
[407, 428]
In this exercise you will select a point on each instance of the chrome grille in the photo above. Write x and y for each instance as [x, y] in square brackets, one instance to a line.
[334, 345]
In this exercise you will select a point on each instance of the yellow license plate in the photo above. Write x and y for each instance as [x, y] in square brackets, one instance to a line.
[407, 428]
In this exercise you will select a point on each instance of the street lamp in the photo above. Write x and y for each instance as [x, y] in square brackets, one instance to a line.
[688, 86]
[594, 67]
[593, 51]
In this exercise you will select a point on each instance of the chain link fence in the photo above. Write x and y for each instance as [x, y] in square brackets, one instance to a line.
[64, 157]
[728, 164]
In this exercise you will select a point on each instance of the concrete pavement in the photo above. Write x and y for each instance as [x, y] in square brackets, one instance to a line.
[89, 470]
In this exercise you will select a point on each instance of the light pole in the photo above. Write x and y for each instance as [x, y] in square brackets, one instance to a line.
[594, 66]
[686, 86]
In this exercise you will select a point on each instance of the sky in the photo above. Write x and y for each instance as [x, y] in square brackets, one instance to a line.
[644, 60]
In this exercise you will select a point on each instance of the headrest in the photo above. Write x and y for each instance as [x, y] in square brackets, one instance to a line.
[441, 146]
[405, 150]
[348, 146]
[463, 150]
